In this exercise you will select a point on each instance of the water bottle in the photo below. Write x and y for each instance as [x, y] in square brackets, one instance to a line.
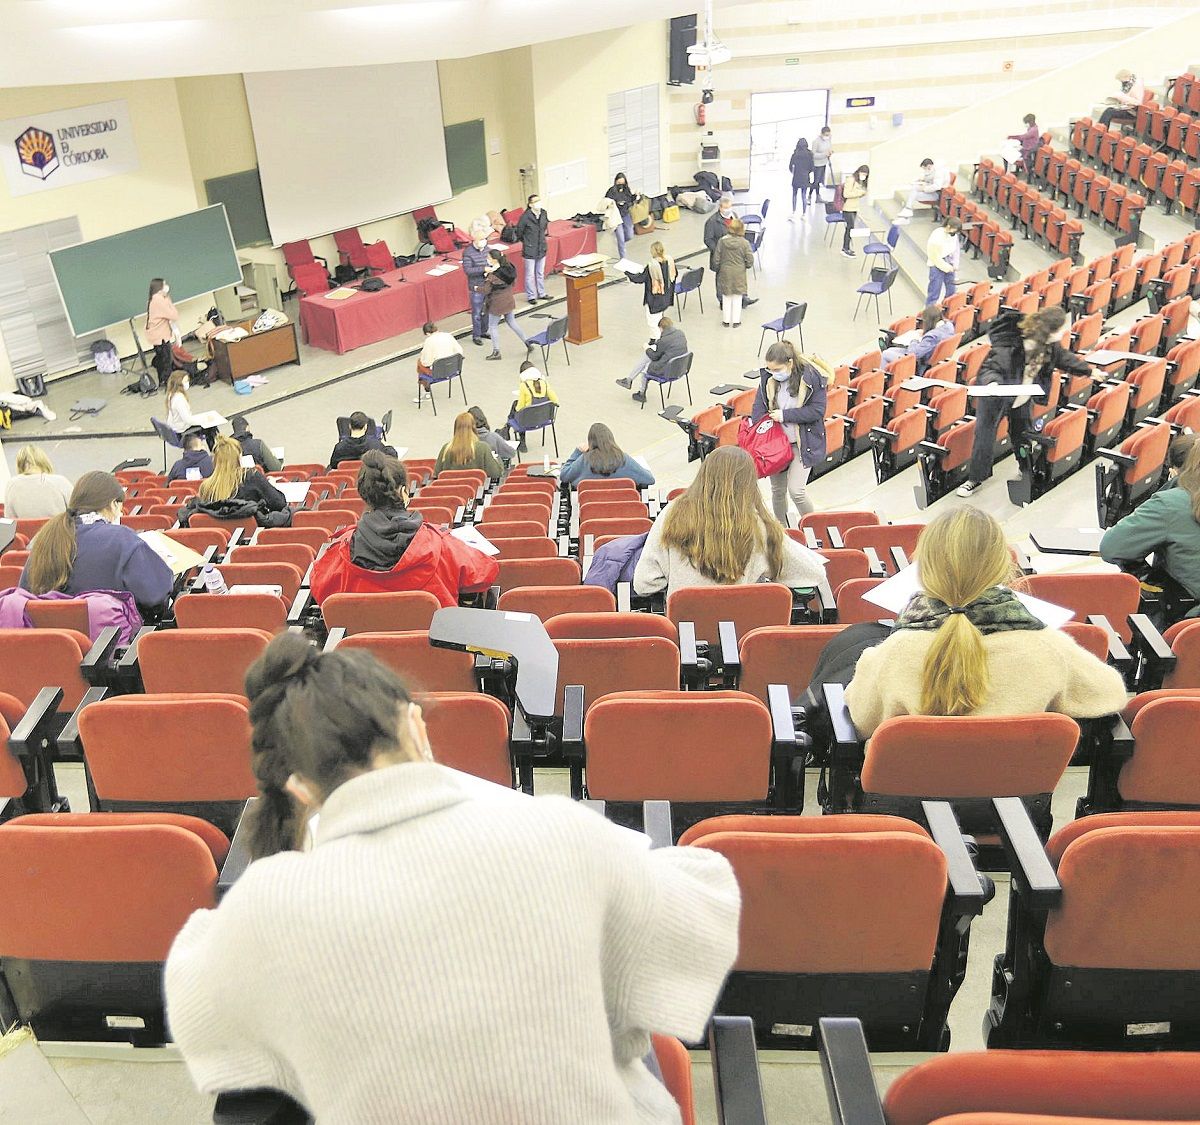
[213, 582]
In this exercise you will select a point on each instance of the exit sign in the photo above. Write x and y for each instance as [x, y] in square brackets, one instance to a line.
[859, 103]
[791, 62]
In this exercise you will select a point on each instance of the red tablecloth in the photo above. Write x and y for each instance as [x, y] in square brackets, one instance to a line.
[365, 318]
[564, 240]
[445, 294]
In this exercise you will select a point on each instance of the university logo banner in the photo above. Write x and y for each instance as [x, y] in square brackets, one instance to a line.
[43, 151]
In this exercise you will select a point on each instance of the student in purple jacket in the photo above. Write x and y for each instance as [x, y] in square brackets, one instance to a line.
[86, 548]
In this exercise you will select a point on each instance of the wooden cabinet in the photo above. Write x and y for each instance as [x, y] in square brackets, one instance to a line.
[583, 316]
[256, 352]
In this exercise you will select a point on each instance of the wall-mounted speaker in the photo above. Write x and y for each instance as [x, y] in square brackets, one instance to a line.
[683, 36]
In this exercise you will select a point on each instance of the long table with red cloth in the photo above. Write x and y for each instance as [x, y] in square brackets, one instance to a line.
[414, 295]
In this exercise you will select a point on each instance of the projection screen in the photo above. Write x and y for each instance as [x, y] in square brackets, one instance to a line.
[343, 146]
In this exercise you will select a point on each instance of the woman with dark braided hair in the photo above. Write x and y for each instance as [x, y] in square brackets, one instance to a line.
[366, 968]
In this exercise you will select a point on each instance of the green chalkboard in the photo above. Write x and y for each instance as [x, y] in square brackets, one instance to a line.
[105, 281]
[242, 195]
[466, 155]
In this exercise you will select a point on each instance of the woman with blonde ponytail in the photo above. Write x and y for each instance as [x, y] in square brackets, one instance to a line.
[791, 389]
[967, 646]
[383, 934]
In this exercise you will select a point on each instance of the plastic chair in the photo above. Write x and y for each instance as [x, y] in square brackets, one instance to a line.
[875, 249]
[873, 290]
[689, 282]
[444, 370]
[553, 333]
[793, 317]
[676, 369]
[538, 417]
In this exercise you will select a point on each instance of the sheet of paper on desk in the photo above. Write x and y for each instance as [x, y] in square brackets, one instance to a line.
[894, 594]
[987, 390]
[906, 338]
[1102, 356]
[626, 266]
[278, 451]
[340, 294]
[585, 261]
[178, 557]
[210, 419]
[472, 538]
[294, 491]
[401, 452]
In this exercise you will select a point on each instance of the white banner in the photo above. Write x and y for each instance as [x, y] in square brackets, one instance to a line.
[43, 151]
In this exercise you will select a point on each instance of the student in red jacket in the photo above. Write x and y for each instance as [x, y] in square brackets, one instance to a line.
[394, 549]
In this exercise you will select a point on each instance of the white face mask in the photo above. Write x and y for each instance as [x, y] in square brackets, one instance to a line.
[480, 243]
[535, 208]
[779, 376]
[186, 384]
[166, 289]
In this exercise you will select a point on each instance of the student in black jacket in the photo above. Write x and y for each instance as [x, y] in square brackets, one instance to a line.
[195, 456]
[531, 230]
[801, 168]
[623, 196]
[1027, 350]
[670, 344]
[658, 284]
[232, 481]
[353, 447]
[252, 446]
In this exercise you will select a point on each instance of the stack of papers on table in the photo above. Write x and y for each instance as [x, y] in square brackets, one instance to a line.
[340, 294]
[894, 594]
[209, 419]
[585, 262]
[444, 268]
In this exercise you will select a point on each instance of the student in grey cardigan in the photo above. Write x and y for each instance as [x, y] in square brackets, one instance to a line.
[503, 449]
[474, 262]
[670, 344]
[601, 458]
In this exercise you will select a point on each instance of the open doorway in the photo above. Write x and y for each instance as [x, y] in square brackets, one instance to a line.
[777, 120]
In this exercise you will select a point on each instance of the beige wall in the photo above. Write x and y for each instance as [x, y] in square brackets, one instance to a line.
[160, 188]
[572, 79]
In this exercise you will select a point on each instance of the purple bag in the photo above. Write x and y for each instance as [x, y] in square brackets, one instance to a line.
[105, 608]
[615, 561]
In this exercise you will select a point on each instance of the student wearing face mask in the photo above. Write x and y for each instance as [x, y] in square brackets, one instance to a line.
[791, 389]
[474, 262]
[1023, 350]
[623, 196]
[531, 230]
[716, 226]
[162, 327]
[179, 408]
[85, 548]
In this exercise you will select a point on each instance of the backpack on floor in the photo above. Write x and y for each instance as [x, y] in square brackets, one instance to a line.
[106, 357]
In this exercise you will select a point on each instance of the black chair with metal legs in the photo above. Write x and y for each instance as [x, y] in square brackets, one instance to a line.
[676, 369]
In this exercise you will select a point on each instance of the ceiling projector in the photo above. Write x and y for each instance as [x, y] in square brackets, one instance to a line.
[704, 56]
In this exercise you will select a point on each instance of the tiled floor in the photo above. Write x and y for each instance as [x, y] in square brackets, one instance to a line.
[796, 265]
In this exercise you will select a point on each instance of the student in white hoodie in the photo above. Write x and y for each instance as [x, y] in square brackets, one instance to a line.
[371, 976]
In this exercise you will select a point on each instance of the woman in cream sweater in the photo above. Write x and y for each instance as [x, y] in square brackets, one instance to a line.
[967, 646]
[719, 533]
[371, 975]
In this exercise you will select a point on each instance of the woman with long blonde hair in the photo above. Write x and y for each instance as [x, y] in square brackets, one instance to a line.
[467, 450]
[657, 279]
[719, 533]
[37, 491]
[966, 645]
[232, 481]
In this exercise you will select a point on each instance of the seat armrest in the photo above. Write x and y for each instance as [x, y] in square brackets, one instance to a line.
[564, 546]
[1118, 654]
[68, 737]
[689, 660]
[1032, 872]
[96, 663]
[595, 806]
[333, 639]
[300, 607]
[826, 597]
[846, 1066]
[934, 450]
[258, 1107]
[1151, 651]
[239, 857]
[731, 661]
[968, 890]
[836, 541]
[899, 558]
[40, 713]
[128, 669]
[624, 597]
[492, 598]
[844, 731]
[736, 1080]
[1116, 456]
[877, 569]
[656, 823]
[572, 736]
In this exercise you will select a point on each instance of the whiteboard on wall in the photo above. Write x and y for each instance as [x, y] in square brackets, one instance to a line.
[342, 146]
[562, 178]
[634, 145]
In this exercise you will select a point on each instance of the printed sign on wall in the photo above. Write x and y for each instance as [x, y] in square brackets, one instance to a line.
[43, 151]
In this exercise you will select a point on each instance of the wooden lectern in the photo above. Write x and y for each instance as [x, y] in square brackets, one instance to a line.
[583, 318]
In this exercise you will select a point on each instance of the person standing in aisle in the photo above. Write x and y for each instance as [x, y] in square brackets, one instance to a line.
[734, 262]
[474, 261]
[162, 327]
[531, 230]
[854, 187]
[715, 227]
[658, 280]
[791, 389]
[942, 253]
[499, 277]
[624, 197]
[822, 151]
[801, 167]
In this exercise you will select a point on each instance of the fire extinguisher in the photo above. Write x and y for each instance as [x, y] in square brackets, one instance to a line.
[701, 113]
